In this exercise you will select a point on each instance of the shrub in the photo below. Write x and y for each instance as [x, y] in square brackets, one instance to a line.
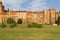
[29, 25]
[34, 25]
[11, 22]
[13, 25]
[2, 25]
[19, 21]
[58, 21]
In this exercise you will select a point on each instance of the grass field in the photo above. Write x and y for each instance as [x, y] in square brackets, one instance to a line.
[20, 33]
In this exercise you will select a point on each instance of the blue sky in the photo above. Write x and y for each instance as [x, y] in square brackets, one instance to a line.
[31, 5]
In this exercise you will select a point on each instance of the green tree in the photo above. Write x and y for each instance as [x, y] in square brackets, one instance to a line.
[19, 21]
[58, 21]
[11, 22]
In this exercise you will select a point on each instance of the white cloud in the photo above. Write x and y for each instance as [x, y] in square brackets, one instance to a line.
[35, 5]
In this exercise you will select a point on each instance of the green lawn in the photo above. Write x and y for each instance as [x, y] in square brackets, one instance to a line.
[20, 33]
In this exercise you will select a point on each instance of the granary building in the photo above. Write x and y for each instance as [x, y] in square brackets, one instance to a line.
[42, 17]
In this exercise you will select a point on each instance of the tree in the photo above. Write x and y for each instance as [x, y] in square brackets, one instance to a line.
[11, 22]
[58, 21]
[19, 21]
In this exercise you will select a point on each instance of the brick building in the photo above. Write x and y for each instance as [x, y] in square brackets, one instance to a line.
[45, 16]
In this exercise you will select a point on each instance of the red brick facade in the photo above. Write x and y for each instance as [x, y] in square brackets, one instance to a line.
[46, 16]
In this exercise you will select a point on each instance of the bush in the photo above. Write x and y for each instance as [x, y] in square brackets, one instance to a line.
[58, 21]
[34, 25]
[13, 25]
[2, 25]
[19, 21]
[11, 22]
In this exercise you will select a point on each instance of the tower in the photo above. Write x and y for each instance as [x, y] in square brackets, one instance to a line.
[1, 11]
[46, 16]
[52, 15]
[1, 6]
